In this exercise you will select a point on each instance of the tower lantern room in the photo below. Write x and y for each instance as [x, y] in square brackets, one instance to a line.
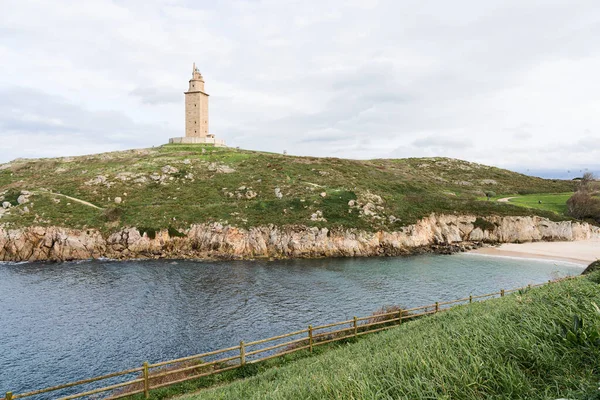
[197, 82]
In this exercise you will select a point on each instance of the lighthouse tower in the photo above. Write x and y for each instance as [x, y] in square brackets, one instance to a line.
[196, 114]
[196, 107]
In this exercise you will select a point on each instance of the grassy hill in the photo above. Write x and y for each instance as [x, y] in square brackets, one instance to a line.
[178, 185]
[536, 344]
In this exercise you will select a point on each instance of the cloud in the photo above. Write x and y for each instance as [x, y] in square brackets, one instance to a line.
[441, 142]
[360, 79]
[156, 96]
[34, 124]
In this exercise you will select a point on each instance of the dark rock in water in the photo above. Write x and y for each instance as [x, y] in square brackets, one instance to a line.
[595, 266]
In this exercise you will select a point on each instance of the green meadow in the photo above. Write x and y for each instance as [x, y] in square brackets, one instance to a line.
[556, 202]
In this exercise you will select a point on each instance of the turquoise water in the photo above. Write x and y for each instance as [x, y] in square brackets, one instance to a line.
[70, 321]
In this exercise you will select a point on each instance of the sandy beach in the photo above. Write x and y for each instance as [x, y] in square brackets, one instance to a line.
[581, 252]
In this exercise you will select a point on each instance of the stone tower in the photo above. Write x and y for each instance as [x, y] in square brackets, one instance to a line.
[196, 107]
[196, 115]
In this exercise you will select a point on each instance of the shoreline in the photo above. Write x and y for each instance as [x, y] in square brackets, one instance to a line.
[525, 256]
[443, 234]
[582, 252]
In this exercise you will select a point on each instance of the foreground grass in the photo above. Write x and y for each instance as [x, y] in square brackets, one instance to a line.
[538, 344]
[178, 185]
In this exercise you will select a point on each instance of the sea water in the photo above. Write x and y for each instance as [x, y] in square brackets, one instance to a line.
[61, 322]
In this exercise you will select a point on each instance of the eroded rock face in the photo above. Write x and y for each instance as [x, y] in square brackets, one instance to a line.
[225, 241]
[37, 244]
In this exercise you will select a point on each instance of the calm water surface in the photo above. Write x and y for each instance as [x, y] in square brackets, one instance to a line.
[64, 322]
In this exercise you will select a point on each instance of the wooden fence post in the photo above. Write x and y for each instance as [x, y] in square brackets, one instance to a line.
[310, 338]
[146, 376]
[501, 292]
[242, 353]
[470, 298]
[355, 327]
[437, 306]
[529, 286]
[399, 316]
[8, 396]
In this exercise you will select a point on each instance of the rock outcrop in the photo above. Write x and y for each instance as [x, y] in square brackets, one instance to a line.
[229, 242]
[593, 267]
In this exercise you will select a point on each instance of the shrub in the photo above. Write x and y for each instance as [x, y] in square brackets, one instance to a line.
[12, 195]
[587, 183]
[593, 267]
[181, 174]
[524, 192]
[383, 314]
[175, 233]
[489, 194]
[112, 214]
[150, 232]
[175, 376]
[584, 205]
[484, 224]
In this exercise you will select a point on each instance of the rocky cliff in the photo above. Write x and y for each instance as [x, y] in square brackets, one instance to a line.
[218, 241]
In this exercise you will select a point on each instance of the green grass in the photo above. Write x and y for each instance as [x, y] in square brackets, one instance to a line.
[552, 202]
[197, 193]
[537, 344]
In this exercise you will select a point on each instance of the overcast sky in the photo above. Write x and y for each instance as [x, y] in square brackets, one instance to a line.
[514, 84]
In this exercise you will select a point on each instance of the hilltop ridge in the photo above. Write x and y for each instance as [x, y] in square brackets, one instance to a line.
[175, 186]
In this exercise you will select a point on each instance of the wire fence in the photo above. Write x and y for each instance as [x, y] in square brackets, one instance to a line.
[166, 373]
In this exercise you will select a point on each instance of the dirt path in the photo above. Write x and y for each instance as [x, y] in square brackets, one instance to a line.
[85, 203]
[506, 199]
